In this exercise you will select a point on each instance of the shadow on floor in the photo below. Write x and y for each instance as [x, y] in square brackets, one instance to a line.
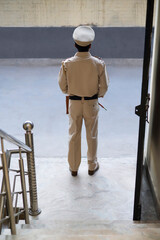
[148, 206]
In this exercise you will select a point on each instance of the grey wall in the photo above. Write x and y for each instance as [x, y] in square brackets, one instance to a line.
[56, 42]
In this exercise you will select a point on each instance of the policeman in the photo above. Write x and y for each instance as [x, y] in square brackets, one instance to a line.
[84, 78]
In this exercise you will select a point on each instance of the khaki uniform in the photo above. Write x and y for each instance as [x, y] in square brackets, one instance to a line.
[83, 75]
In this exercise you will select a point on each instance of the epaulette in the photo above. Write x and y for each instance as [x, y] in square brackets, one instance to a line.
[98, 57]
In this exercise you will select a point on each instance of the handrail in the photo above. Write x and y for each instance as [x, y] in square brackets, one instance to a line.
[5, 155]
[15, 141]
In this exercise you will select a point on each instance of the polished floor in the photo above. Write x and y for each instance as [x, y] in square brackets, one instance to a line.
[105, 196]
[82, 207]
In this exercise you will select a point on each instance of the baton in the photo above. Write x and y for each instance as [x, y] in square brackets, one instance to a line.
[102, 106]
[67, 104]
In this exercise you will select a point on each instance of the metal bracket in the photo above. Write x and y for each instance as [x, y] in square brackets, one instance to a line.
[138, 110]
[141, 111]
[147, 106]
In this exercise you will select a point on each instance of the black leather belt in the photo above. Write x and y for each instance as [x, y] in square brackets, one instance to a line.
[85, 98]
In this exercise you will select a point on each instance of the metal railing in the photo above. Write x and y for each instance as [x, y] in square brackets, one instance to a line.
[34, 210]
[8, 212]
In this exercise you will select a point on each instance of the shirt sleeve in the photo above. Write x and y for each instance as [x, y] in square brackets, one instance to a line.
[103, 81]
[62, 80]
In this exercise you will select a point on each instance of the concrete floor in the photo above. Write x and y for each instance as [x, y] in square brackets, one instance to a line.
[30, 92]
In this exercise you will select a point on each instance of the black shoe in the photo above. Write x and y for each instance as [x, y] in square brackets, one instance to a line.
[92, 172]
[73, 173]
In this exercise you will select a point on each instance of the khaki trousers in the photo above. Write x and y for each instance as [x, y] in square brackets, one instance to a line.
[79, 110]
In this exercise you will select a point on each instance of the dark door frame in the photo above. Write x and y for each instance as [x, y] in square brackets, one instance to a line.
[142, 109]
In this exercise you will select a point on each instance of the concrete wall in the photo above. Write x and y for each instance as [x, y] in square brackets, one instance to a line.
[43, 28]
[58, 43]
[108, 13]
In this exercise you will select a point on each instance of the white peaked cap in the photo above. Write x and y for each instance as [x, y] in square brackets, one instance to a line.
[83, 35]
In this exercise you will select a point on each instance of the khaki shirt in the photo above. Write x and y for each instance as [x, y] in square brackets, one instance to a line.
[83, 75]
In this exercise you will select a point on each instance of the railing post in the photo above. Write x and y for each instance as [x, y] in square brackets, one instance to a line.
[23, 184]
[8, 189]
[34, 210]
[1, 197]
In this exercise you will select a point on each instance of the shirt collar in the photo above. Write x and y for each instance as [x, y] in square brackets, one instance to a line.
[83, 54]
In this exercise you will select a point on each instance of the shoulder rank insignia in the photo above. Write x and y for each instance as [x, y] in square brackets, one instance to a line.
[98, 57]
